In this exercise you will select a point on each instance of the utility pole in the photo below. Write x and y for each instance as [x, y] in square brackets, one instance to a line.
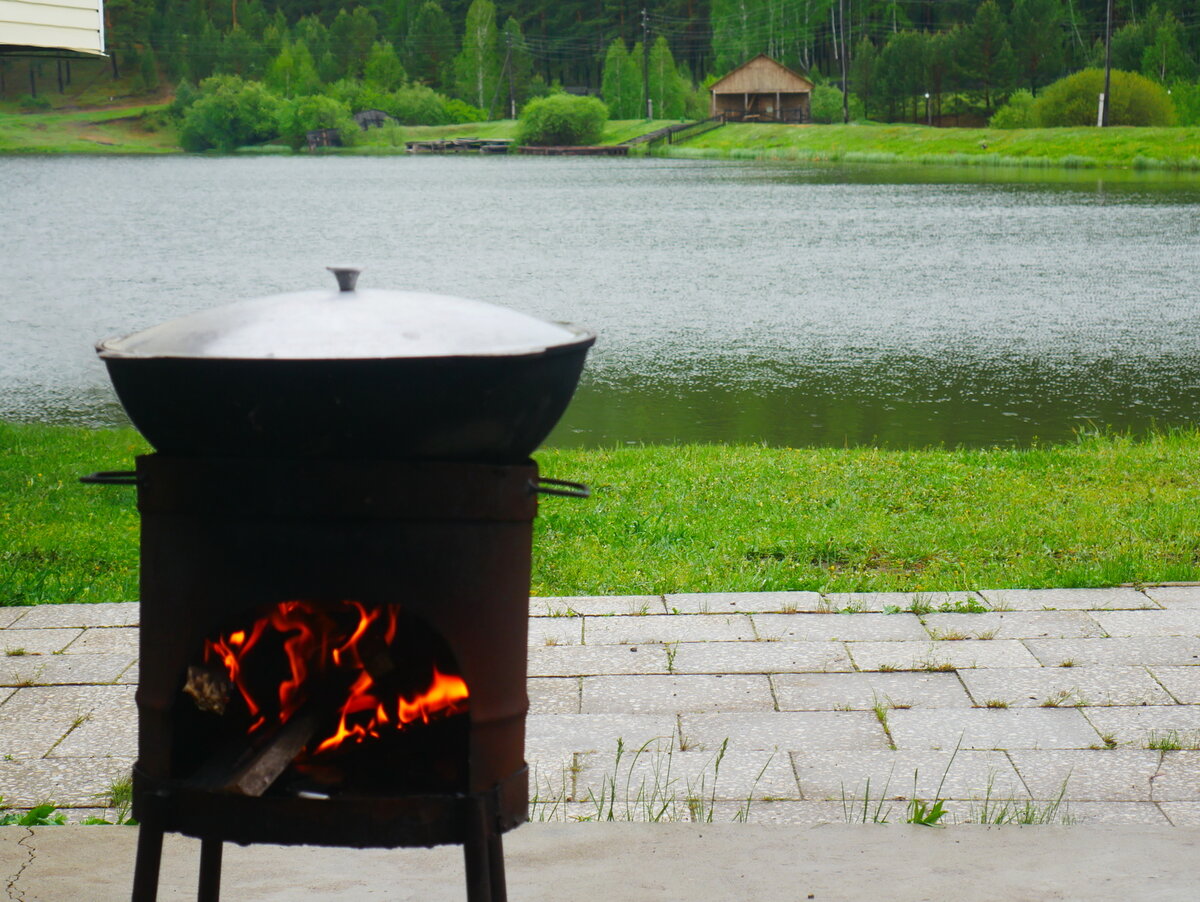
[646, 64]
[512, 94]
[1104, 98]
[842, 31]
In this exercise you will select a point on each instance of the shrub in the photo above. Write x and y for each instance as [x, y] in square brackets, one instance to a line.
[300, 116]
[562, 119]
[826, 105]
[1074, 100]
[228, 114]
[30, 104]
[1017, 113]
[416, 105]
[460, 111]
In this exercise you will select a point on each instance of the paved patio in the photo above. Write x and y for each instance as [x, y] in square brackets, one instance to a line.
[1080, 706]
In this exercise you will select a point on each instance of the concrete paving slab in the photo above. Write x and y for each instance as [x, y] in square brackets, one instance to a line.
[704, 862]
[786, 731]
[760, 657]
[66, 703]
[34, 738]
[1174, 596]
[129, 677]
[596, 732]
[985, 728]
[933, 656]
[833, 627]
[6, 694]
[888, 776]
[669, 628]
[878, 602]
[1182, 814]
[744, 602]
[48, 616]
[1178, 778]
[1183, 682]
[863, 691]
[599, 605]
[1150, 623]
[675, 694]
[10, 615]
[107, 640]
[100, 736]
[26, 783]
[1136, 727]
[787, 813]
[555, 631]
[17, 642]
[1066, 599]
[674, 779]
[48, 670]
[1126, 814]
[548, 661]
[1032, 687]
[1129, 651]
[1013, 625]
[1104, 775]
[554, 695]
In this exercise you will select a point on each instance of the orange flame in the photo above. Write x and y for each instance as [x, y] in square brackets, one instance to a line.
[316, 645]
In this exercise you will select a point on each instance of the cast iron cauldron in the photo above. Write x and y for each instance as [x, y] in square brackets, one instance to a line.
[339, 374]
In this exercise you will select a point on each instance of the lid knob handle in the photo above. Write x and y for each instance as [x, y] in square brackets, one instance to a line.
[346, 276]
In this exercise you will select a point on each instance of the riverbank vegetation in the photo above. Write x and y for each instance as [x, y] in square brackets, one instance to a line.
[1077, 148]
[441, 62]
[1101, 511]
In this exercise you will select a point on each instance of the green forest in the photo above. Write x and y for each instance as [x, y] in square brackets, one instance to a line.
[432, 62]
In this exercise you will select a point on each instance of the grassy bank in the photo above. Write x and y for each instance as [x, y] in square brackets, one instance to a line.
[1135, 148]
[1103, 511]
[135, 129]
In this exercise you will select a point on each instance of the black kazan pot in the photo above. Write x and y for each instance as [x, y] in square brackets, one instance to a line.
[340, 374]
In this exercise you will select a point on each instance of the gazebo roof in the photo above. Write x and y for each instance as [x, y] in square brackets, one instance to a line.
[762, 75]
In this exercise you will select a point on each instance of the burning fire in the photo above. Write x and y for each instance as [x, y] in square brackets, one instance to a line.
[331, 661]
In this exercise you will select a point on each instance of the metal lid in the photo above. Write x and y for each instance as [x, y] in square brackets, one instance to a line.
[348, 324]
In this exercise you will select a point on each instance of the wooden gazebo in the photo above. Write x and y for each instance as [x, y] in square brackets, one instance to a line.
[762, 90]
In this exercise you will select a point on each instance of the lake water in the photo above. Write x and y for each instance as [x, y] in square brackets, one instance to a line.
[789, 304]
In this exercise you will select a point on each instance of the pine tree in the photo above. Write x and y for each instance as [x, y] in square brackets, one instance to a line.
[430, 45]
[383, 68]
[1038, 40]
[666, 88]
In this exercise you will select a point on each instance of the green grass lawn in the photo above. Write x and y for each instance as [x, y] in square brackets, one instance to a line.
[136, 129]
[691, 518]
[1147, 148]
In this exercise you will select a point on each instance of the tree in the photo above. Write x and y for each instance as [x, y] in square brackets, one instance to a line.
[862, 73]
[293, 73]
[667, 90]
[987, 57]
[430, 45]
[735, 32]
[477, 66]
[351, 37]
[1038, 39]
[1164, 58]
[383, 68]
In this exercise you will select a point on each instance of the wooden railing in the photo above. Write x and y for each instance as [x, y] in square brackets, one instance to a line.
[680, 132]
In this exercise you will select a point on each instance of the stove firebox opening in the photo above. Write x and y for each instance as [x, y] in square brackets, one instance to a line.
[318, 699]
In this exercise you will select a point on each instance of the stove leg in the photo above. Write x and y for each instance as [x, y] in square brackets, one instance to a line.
[477, 845]
[496, 866]
[145, 870]
[210, 871]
